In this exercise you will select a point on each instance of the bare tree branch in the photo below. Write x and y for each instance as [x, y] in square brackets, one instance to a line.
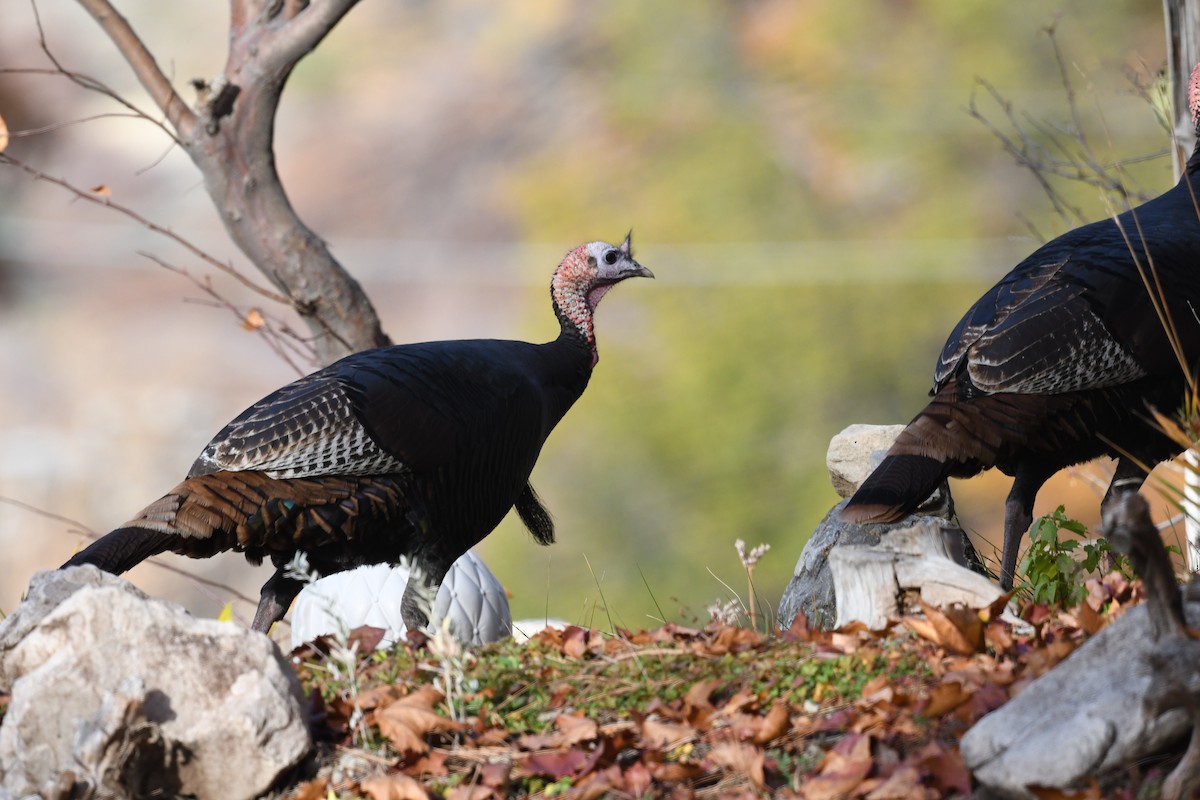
[54, 126]
[75, 526]
[100, 200]
[272, 337]
[230, 137]
[267, 38]
[85, 81]
[1051, 151]
[307, 24]
[144, 66]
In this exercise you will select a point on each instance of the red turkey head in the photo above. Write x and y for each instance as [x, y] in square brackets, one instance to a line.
[585, 276]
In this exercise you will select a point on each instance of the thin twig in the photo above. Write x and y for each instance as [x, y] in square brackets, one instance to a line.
[78, 527]
[1051, 151]
[607, 611]
[106, 202]
[1022, 153]
[86, 81]
[54, 126]
[272, 339]
[141, 60]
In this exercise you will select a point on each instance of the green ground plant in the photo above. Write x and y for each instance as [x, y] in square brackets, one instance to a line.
[1053, 569]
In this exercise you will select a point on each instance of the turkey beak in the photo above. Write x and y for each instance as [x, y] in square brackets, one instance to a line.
[635, 270]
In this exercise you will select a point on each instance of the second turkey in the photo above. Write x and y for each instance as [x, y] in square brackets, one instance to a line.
[1062, 361]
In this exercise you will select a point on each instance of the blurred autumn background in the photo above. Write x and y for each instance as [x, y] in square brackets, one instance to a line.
[804, 179]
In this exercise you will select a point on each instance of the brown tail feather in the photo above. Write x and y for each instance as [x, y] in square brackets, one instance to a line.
[122, 549]
[895, 489]
[261, 516]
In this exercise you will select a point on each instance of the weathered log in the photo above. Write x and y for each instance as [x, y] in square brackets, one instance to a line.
[871, 582]
[1127, 693]
[875, 571]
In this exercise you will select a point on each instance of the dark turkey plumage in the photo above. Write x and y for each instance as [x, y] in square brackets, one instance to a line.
[1060, 363]
[414, 450]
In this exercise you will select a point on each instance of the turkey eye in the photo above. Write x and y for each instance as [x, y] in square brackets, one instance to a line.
[610, 257]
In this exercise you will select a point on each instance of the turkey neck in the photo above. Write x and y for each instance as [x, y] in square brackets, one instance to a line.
[575, 297]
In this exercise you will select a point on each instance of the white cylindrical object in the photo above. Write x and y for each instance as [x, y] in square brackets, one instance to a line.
[470, 597]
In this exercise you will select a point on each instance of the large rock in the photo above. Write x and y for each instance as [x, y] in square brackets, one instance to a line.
[854, 452]
[857, 450]
[135, 698]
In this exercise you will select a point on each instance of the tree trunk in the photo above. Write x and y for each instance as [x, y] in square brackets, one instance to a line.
[229, 136]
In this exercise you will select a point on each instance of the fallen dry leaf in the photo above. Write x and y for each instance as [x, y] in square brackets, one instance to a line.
[842, 770]
[953, 630]
[311, 790]
[402, 736]
[367, 637]
[902, 784]
[742, 758]
[101, 190]
[574, 641]
[836, 784]
[638, 780]
[406, 721]
[982, 701]
[432, 763]
[999, 635]
[595, 785]
[774, 724]
[393, 787]
[664, 735]
[876, 684]
[945, 697]
[677, 771]
[253, 321]
[470, 793]
[1040, 661]
[380, 696]
[697, 697]
[741, 699]
[560, 694]
[800, 631]
[845, 642]
[730, 639]
[870, 719]
[576, 729]
[997, 607]
[945, 766]
[496, 774]
[540, 741]
[1089, 620]
[553, 765]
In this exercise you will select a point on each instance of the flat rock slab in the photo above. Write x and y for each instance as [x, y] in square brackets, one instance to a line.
[132, 696]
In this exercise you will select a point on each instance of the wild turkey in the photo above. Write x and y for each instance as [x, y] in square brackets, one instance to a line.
[414, 450]
[1059, 363]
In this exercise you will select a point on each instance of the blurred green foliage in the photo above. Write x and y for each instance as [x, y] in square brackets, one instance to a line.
[804, 179]
[821, 210]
